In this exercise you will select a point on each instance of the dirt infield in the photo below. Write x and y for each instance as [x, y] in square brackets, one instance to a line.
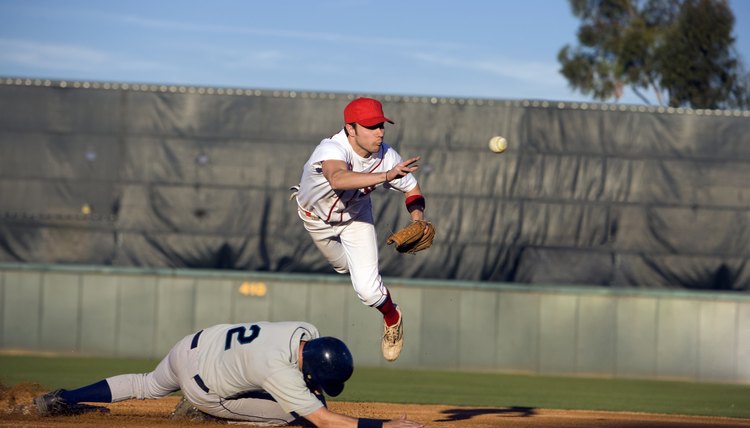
[16, 410]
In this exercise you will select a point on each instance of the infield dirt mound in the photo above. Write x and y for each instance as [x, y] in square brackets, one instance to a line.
[17, 410]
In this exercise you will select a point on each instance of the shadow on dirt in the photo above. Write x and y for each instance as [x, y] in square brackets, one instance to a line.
[464, 414]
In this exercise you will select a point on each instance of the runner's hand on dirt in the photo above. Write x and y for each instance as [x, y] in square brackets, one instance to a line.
[402, 422]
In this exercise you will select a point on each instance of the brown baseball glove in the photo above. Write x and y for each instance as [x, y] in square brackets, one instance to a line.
[415, 237]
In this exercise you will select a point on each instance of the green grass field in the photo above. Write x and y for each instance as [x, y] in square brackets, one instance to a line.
[441, 387]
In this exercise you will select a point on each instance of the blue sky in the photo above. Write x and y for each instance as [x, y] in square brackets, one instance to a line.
[501, 49]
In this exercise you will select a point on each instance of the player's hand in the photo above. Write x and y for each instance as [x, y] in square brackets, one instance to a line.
[402, 422]
[403, 168]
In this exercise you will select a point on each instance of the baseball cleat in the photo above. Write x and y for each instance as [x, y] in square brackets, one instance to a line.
[393, 338]
[52, 404]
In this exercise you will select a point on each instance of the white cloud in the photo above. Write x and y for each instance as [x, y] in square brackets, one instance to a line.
[527, 71]
[49, 55]
[336, 38]
[64, 56]
[255, 60]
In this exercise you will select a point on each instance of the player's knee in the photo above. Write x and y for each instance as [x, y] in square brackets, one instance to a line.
[369, 286]
[371, 297]
[152, 389]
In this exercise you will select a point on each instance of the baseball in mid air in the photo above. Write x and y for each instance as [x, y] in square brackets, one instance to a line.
[498, 144]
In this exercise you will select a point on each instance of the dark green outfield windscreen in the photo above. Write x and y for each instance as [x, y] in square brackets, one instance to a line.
[186, 177]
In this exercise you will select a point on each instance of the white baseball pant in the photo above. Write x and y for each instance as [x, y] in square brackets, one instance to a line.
[351, 246]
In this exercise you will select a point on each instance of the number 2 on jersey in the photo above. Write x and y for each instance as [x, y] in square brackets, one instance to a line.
[242, 338]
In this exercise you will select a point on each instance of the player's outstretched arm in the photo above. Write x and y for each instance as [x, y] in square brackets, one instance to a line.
[340, 178]
[324, 418]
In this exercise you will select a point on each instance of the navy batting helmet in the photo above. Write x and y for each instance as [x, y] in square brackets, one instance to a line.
[326, 364]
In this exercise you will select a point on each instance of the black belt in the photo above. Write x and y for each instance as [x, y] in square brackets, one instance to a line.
[197, 378]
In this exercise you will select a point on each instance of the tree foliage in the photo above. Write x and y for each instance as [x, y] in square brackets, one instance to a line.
[681, 51]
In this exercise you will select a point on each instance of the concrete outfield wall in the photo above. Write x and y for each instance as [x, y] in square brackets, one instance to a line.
[448, 325]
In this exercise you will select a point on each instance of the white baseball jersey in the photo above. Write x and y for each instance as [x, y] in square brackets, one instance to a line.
[316, 195]
[236, 358]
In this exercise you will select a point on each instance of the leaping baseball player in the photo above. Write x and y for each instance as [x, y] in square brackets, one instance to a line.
[264, 373]
[334, 204]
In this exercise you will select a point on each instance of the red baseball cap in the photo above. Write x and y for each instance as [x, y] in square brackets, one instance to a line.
[365, 111]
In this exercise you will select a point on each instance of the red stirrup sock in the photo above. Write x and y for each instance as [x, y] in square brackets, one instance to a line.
[388, 309]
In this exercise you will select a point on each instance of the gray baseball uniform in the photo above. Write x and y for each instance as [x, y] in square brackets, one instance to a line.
[236, 371]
